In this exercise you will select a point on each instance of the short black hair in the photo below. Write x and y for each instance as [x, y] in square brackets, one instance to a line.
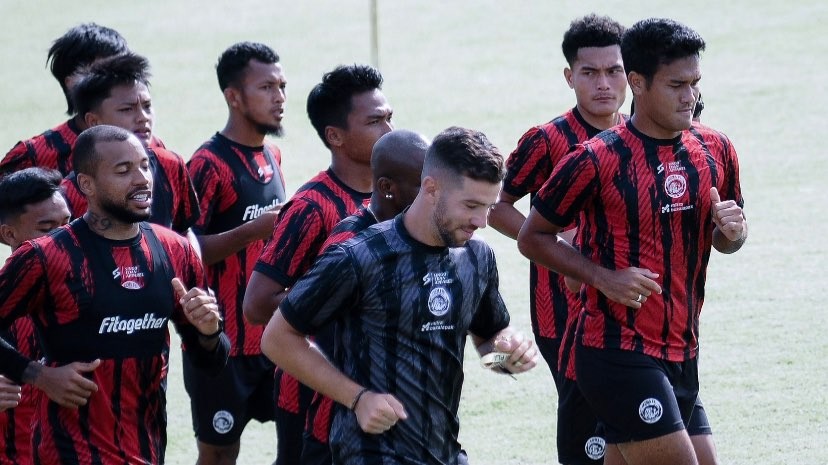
[653, 42]
[84, 154]
[234, 60]
[100, 78]
[590, 31]
[80, 46]
[26, 187]
[329, 102]
[464, 152]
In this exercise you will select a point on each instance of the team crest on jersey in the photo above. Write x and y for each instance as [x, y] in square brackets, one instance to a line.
[222, 422]
[439, 301]
[650, 410]
[675, 185]
[131, 277]
[595, 447]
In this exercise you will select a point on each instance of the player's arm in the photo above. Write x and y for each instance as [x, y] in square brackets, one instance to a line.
[539, 241]
[504, 217]
[522, 352]
[207, 345]
[731, 228]
[261, 298]
[217, 247]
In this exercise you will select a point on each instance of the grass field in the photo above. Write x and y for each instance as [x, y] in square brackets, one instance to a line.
[496, 66]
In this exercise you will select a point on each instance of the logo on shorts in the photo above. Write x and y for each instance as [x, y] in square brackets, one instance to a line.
[222, 422]
[650, 410]
[595, 447]
[439, 301]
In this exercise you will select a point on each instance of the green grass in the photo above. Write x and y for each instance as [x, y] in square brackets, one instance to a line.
[496, 66]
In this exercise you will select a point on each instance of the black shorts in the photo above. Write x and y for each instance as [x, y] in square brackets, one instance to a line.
[635, 396]
[549, 348]
[699, 424]
[223, 405]
[580, 440]
[315, 452]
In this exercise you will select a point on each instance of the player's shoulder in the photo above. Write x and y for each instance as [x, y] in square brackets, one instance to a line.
[274, 150]
[165, 235]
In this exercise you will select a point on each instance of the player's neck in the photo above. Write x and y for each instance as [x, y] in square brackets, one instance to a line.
[242, 134]
[419, 224]
[380, 209]
[599, 121]
[108, 227]
[355, 175]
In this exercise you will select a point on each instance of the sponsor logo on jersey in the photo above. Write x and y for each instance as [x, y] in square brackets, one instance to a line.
[116, 324]
[595, 447]
[436, 326]
[650, 410]
[439, 301]
[222, 422]
[437, 279]
[131, 277]
[251, 212]
[676, 207]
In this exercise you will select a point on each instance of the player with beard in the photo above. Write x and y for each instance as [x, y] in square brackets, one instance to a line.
[31, 205]
[101, 291]
[240, 188]
[69, 54]
[404, 295]
[115, 91]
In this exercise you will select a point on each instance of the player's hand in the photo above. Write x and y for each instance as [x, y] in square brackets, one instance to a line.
[630, 286]
[377, 413]
[727, 216]
[200, 307]
[9, 394]
[66, 385]
[523, 354]
[262, 227]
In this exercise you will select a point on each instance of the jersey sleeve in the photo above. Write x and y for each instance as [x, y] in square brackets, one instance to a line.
[18, 158]
[204, 174]
[491, 316]
[730, 187]
[296, 241]
[74, 199]
[573, 182]
[22, 287]
[531, 163]
[324, 293]
[186, 211]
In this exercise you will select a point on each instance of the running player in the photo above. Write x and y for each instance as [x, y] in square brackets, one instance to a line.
[647, 193]
[349, 112]
[592, 48]
[240, 188]
[404, 295]
[31, 205]
[69, 54]
[115, 91]
[101, 291]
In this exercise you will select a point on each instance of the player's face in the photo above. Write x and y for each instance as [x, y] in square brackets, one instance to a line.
[665, 107]
[128, 107]
[369, 119]
[262, 100]
[38, 219]
[123, 181]
[598, 78]
[461, 210]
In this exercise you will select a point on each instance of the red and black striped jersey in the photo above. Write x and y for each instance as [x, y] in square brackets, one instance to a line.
[236, 184]
[51, 149]
[174, 200]
[95, 298]
[304, 224]
[527, 168]
[16, 423]
[644, 202]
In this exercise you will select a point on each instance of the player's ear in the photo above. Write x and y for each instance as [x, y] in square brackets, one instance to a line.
[637, 82]
[86, 184]
[231, 96]
[431, 187]
[91, 119]
[568, 76]
[333, 135]
[385, 186]
[7, 234]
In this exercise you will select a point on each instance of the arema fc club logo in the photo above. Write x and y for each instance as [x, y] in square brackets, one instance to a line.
[439, 301]
[650, 410]
[222, 422]
[675, 185]
[595, 447]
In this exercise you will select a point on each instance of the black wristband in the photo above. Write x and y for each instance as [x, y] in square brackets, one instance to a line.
[209, 337]
[357, 397]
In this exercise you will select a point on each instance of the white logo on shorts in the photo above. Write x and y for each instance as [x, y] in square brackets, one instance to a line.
[439, 301]
[650, 410]
[595, 447]
[222, 422]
